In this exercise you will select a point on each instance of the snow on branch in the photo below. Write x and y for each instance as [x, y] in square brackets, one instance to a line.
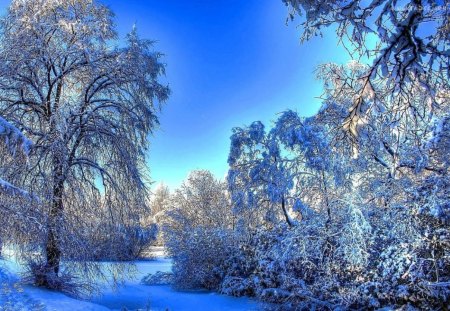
[15, 141]
[14, 138]
[12, 190]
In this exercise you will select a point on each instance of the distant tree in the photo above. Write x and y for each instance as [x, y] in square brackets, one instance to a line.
[160, 201]
[87, 106]
[159, 205]
[197, 229]
[411, 44]
[201, 201]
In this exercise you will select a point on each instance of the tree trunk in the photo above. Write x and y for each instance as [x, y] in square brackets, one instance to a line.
[286, 215]
[53, 251]
[327, 201]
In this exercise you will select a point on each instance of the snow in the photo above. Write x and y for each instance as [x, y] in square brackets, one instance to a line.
[14, 140]
[132, 295]
[14, 296]
[14, 137]
[11, 189]
[54, 301]
[165, 298]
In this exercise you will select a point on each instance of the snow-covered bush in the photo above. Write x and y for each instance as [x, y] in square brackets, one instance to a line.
[120, 242]
[325, 265]
[158, 278]
[360, 259]
[64, 281]
[197, 231]
[198, 259]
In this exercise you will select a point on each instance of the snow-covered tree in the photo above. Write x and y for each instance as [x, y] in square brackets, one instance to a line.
[404, 41]
[258, 178]
[197, 230]
[292, 166]
[159, 201]
[159, 205]
[86, 105]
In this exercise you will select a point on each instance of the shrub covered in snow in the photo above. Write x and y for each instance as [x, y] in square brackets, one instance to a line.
[121, 242]
[197, 232]
[320, 265]
[198, 260]
[158, 278]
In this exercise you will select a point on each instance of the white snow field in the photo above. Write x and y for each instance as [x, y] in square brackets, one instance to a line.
[132, 295]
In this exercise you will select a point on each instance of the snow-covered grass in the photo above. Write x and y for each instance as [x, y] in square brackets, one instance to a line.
[131, 295]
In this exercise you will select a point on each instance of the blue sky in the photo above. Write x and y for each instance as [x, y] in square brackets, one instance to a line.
[229, 63]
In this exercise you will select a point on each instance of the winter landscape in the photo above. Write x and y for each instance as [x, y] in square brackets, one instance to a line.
[224, 155]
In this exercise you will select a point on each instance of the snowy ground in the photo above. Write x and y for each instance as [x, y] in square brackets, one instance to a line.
[136, 296]
[130, 296]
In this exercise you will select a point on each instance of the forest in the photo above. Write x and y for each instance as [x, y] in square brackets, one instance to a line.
[347, 209]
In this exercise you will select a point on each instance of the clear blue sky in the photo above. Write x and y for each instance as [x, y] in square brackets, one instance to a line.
[229, 63]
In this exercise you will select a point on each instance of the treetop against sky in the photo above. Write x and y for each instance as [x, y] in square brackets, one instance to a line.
[228, 63]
